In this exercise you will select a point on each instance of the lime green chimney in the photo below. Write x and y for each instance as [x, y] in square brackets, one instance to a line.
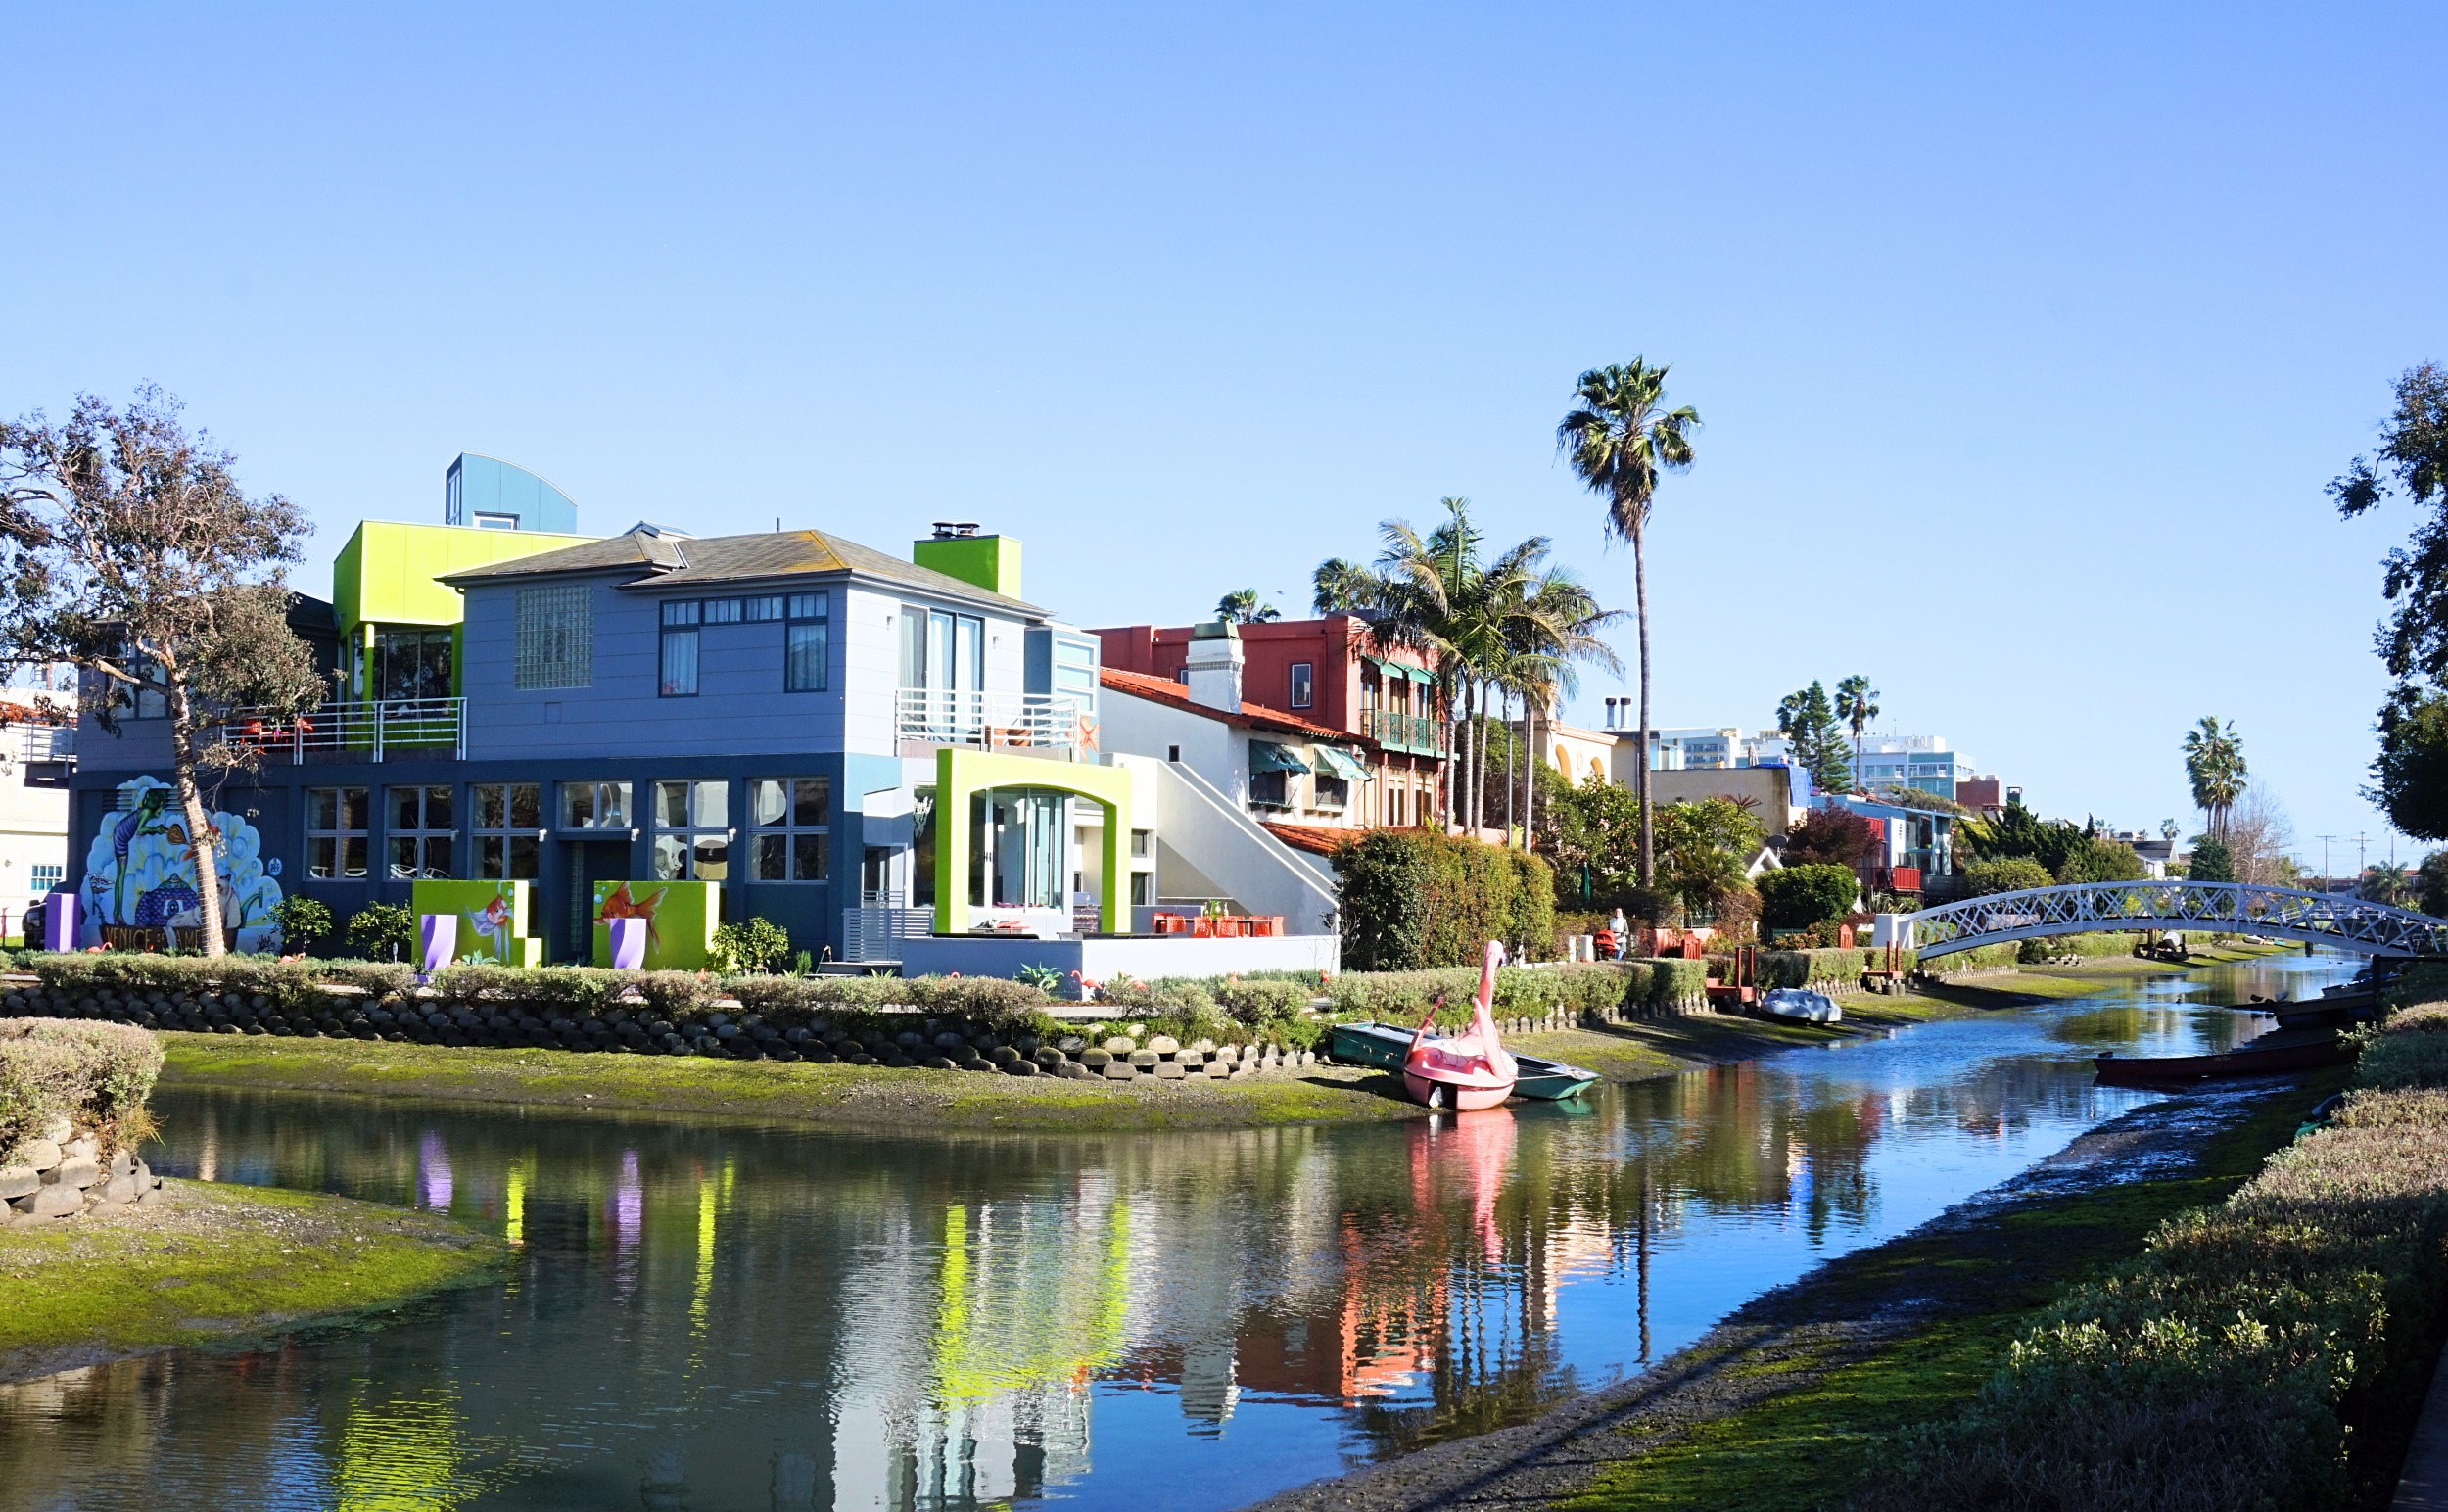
[957, 550]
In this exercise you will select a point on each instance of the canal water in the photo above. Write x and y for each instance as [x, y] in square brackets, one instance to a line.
[750, 1318]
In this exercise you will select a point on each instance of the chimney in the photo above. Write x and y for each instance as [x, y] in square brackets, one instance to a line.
[1215, 665]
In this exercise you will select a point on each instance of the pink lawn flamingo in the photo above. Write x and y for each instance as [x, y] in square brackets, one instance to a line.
[1472, 1068]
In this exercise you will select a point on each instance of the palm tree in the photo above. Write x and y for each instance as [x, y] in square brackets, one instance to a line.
[1242, 607]
[1343, 587]
[1856, 705]
[2214, 763]
[1619, 439]
[1558, 631]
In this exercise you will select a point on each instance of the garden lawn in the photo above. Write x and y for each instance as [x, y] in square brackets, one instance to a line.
[212, 1264]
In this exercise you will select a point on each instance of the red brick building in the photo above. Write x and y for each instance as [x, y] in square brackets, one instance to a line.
[1326, 672]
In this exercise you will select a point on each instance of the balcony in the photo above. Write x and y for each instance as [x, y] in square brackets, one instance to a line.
[391, 729]
[994, 722]
[30, 745]
[1419, 735]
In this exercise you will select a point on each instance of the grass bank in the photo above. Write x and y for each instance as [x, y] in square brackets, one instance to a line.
[210, 1264]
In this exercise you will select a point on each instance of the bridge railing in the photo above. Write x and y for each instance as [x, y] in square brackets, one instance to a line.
[2076, 908]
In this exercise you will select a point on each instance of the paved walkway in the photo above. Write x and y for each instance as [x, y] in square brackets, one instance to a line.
[2425, 1485]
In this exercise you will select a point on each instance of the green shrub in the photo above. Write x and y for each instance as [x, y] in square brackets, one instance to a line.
[94, 1074]
[2102, 859]
[1822, 970]
[384, 930]
[1798, 897]
[2013, 874]
[1413, 899]
[749, 945]
[303, 921]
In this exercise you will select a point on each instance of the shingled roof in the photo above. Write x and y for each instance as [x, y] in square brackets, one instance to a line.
[681, 561]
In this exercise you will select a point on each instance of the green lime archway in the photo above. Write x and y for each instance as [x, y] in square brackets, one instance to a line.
[962, 772]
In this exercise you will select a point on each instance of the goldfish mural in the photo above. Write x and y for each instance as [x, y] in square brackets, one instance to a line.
[491, 919]
[141, 871]
[679, 920]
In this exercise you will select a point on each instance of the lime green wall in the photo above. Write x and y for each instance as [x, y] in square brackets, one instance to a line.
[992, 562]
[959, 772]
[385, 574]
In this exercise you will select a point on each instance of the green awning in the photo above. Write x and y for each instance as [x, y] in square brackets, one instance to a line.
[1339, 763]
[1421, 674]
[1267, 756]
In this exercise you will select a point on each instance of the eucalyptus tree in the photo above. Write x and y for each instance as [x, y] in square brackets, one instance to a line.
[1620, 439]
[128, 550]
[2214, 763]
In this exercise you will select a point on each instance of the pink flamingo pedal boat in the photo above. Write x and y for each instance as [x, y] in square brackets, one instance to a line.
[1467, 1070]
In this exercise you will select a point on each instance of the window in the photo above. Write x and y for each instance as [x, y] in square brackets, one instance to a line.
[768, 608]
[722, 611]
[489, 521]
[1269, 788]
[421, 833]
[680, 618]
[691, 834]
[805, 640]
[1138, 844]
[335, 833]
[508, 818]
[1303, 679]
[1333, 792]
[1142, 887]
[557, 638]
[45, 876]
[411, 664]
[594, 805]
[789, 820]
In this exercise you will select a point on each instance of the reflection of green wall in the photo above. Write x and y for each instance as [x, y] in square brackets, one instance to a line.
[1029, 1305]
[681, 936]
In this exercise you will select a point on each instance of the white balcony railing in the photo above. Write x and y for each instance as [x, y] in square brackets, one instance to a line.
[386, 728]
[993, 721]
[26, 744]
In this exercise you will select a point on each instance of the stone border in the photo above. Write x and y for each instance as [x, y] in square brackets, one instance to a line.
[62, 1176]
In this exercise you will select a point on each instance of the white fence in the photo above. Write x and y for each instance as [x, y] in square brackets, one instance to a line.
[351, 732]
[993, 721]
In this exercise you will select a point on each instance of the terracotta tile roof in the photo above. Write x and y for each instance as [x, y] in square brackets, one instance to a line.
[1316, 839]
[1172, 694]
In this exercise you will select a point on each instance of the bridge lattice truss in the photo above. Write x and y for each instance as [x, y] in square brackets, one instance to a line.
[2235, 908]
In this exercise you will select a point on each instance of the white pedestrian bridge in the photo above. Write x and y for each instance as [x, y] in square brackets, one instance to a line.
[2229, 908]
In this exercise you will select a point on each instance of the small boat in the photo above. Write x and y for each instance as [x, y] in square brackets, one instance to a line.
[1467, 1070]
[2324, 1013]
[1808, 1007]
[2308, 1052]
[1385, 1045]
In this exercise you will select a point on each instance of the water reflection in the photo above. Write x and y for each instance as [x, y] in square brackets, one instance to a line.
[719, 1318]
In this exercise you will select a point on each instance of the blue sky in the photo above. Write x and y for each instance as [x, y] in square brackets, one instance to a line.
[2025, 343]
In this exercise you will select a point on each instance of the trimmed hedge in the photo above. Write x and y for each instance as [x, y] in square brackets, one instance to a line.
[2225, 1367]
[1574, 989]
[1412, 899]
[94, 1074]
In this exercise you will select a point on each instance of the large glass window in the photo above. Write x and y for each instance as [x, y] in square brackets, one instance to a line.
[411, 664]
[421, 833]
[789, 820]
[508, 818]
[557, 638]
[1303, 683]
[680, 618]
[806, 639]
[1017, 842]
[595, 806]
[335, 833]
[692, 831]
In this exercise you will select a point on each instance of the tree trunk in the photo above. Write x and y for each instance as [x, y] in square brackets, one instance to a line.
[200, 836]
[1512, 759]
[1478, 763]
[1641, 767]
[1529, 775]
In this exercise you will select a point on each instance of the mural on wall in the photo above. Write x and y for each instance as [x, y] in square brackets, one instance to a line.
[141, 871]
[679, 920]
[492, 918]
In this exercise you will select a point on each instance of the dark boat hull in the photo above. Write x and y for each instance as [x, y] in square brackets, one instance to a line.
[2161, 1070]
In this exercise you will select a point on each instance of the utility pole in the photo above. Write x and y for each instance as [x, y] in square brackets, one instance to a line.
[2326, 888]
[2359, 838]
